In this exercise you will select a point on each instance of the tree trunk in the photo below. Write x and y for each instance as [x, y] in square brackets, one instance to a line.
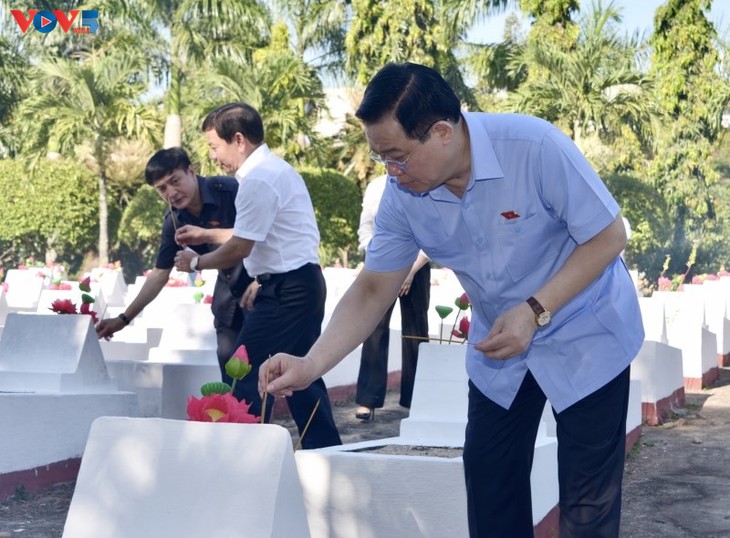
[103, 206]
[173, 131]
[173, 124]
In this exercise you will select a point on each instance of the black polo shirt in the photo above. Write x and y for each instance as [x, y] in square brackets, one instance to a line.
[218, 199]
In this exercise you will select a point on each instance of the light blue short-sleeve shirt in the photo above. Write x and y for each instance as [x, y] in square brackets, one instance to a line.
[531, 199]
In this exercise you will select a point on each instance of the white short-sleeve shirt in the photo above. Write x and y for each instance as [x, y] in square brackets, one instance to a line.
[273, 208]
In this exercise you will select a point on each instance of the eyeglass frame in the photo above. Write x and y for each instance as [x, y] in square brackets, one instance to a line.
[402, 165]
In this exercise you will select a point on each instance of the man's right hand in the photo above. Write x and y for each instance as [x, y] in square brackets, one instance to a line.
[107, 327]
[283, 374]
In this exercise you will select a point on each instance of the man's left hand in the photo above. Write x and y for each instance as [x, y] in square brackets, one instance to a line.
[183, 259]
[511, 334]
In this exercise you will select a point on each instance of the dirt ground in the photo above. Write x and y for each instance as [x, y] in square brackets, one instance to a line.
[676, 485]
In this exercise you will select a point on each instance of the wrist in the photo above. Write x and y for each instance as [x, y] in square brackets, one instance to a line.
[125, 319]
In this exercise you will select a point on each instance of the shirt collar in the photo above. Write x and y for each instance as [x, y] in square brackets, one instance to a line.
[256, 157]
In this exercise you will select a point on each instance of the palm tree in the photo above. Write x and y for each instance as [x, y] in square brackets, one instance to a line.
[279, 84]
[595, 87]
[319, 31]
[91, 103]
[180, 36]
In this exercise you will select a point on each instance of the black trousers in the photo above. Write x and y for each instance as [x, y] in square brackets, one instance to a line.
[287, 318]
[372, 379]
[498, 453]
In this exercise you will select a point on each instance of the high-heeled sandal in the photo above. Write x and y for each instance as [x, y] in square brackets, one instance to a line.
[365, 413]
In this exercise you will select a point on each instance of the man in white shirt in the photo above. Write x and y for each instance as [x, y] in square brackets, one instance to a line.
[414, 298]
[276, 235]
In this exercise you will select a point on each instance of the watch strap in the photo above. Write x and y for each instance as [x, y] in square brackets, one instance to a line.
[537, 308]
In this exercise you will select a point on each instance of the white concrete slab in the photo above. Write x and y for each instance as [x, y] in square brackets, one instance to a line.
[24, 288]
[111, 283]
[438, 421]
[658, 367]
[58, 353]
[654, 318]
[350, 491]
[188, 336]
[4, 308]
[715, 294]
[162, 389]
[686, 330]
[42, 429]
[153, 478]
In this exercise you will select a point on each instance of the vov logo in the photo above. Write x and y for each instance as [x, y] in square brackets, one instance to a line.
[46, 20]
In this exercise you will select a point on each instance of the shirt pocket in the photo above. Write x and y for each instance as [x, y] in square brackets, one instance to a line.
[524, 245]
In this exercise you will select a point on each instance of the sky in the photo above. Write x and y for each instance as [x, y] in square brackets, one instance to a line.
[636, 14]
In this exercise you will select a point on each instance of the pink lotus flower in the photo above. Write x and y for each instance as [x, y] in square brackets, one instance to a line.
[63, 306]
[697, 279]
[712, 277]
[664, 284]
[208, 299]
[462, 302]
[463, 330]
[219, 408]
[85, 284]
[239, 365]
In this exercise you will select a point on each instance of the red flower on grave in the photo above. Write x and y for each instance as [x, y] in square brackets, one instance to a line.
[86, 309]
[208, 299]
[220, 408]
[63, 306]
[463, 330]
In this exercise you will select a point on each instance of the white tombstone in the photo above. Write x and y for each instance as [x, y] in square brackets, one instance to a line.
[4, 309]
[654, 319]
[162, 389]
[24, 288]
[715, 294]
[59, 353]
[438, 421]
[158, 312]
[686, 330]
[132, 343]
[658, 367]
[188, 336]
[145, 477]
[112, 285]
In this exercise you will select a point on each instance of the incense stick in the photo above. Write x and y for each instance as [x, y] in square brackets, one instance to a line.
[440, 340]
[304, 431]
[263, 400]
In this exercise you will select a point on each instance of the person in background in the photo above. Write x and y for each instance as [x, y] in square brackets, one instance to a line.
[203, 211]
[414, 298]
[510, 204]
[276, 236]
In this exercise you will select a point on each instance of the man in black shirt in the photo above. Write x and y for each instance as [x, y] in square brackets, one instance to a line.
[204, 210]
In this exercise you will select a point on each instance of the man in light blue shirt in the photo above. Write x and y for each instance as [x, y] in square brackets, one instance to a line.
[513, 208]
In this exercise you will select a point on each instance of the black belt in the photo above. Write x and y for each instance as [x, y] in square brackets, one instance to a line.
[271, 278]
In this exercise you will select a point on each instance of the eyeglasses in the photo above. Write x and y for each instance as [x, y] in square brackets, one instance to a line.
[402, 165]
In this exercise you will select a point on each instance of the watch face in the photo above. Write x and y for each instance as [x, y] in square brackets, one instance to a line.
[543, 319]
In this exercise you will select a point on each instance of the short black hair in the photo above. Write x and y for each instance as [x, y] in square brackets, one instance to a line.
[227, 120]
[165, 162]
[417, 96]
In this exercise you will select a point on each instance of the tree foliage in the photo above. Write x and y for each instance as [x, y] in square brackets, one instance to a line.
[691, 95]
[337, 202]
[48, 210]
